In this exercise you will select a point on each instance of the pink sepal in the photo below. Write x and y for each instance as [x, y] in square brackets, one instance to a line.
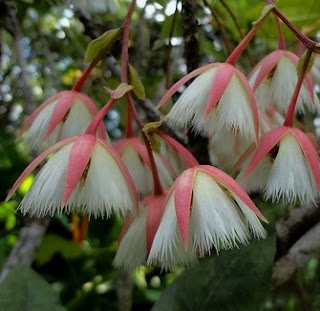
[36, 162]
[60, 110]
[310, 153]
[185, 79]
[182, 201]
[220, 82]
[232, 185]
[267, 65]
[78, 160]
[37, 111]
[94, 110]
[268, 141]
[168, 165]
[155, 207]
[124, 170]
[253, 104]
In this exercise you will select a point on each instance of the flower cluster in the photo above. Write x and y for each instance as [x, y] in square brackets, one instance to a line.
[179, 210]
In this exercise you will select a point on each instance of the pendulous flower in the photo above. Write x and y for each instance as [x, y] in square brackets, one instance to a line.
[204, 209]
[63, 115]
[84, 173]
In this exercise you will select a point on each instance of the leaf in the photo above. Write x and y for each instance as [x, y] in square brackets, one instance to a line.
[52, 244]
[121, 89]
[24, 289]
[235, 280]
[135, 81]
[102, 43]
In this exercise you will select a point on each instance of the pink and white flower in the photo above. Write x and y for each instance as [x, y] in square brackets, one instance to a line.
[204, 209]
[135, 156]
[274, 79]
[285, 164]
[63, 115]
[138, 232]
[220, 97]
[84, 173]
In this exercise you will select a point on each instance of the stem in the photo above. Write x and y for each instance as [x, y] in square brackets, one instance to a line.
[223, 33]
[242, 45]
[92, 128]
[281, 40]
[156, 180]
[168, 69]
[235, 21]
[125, 43]
[308, 43]
[290, 114]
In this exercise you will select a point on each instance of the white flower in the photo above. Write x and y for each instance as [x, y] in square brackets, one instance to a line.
[86, 173]
[205, 209]
[274, 79]
[219, 97]
[285, 164]
[66, 114]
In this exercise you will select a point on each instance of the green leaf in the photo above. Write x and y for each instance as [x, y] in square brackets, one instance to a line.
[135, 81]
[235, 280]
[24, 289]
[102, 43]
[52, 244]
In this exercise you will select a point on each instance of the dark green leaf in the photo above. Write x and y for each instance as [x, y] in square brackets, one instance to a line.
[23, 289]
[234, 280]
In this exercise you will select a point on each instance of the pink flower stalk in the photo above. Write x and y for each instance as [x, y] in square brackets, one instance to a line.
[63, 115]
[138, 232]
[219, 98]
[135, 156]
[274, 79]
[85, 173]
[204, 209]
[285, 164]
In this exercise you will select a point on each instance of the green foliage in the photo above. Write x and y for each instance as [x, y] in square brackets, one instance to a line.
[53, 244]
[24, 289]
[135, 81]
[102, 43]
[235, 280]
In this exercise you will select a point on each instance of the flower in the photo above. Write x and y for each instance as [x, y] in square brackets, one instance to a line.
[220, 97]
[205, 208]
[63, 115]
[135, 156]
[138, 232]
[273, 81]
[285, 164]
[84, 173]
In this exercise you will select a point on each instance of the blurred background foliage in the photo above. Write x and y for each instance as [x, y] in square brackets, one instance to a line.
[55, 34]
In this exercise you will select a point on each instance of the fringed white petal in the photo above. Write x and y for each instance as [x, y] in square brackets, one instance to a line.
[105, 189]
[167, 248]
[45, 194]
[257, 179]
[78, 119]
[225, 148]
[192, 103]
[233, 111]
[290, 175]
[173, 157]
[251, 219]
[165, 174]
[132, 250]
[138, 170]
[215, 220]
[39, 126]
